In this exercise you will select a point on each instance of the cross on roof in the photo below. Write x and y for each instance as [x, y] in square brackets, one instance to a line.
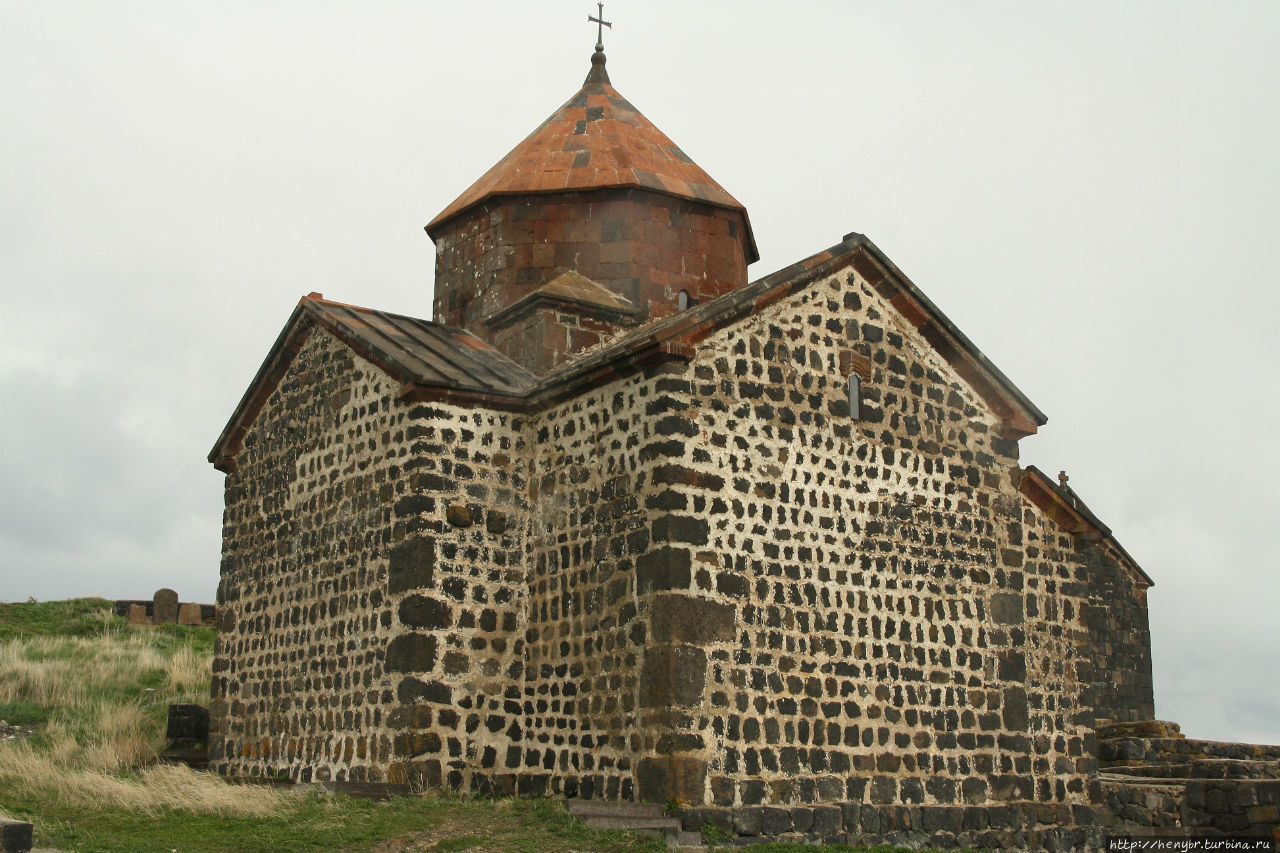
[601, 24]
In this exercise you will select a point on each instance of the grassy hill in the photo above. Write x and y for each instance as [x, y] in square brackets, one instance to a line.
[93, 693]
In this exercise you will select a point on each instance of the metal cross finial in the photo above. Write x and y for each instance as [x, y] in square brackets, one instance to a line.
[601, 24]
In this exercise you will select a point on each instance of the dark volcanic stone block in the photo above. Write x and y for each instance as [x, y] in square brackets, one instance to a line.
[412, 565]
[411, 653]
[689, 619]
[1012, 666]
[678, 778]
[884, 789]
[15, 836]
[681, 528]
[419, 611]
[775, 821]
[664, 568]
[673, 675]
[1006, 608]
[747, 820]
[187, 722]
[413, 690]
[1015, 710]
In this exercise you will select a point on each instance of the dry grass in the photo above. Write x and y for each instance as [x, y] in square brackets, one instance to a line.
[155, 789]
[107, 697]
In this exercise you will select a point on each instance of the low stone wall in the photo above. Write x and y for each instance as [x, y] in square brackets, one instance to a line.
[164, 608]
[1249, 808]
[1009, 826]
[1132, 803]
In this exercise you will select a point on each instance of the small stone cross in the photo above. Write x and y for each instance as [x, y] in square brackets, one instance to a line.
[1062, 479]
[601, 24]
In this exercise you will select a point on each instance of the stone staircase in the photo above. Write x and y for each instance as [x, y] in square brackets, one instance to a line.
[647, 819]
[1157, 783]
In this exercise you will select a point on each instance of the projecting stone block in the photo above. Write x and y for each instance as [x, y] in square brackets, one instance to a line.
[187, 722]
[15, 835]
[673, 675]
[164, 608]
[690, 619]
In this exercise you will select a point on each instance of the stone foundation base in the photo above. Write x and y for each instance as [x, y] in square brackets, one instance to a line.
[1008, 826]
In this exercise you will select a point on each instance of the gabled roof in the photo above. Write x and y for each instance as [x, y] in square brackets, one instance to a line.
[597, 140]
[433, 361]
[572, 291]
[1065, 508]
[413, 351]
[675, 334]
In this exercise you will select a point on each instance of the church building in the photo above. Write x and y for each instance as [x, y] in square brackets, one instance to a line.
[619, 523]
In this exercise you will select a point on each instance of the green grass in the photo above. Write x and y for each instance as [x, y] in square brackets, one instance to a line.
[98, 688]
[75, 617]
[323, 823]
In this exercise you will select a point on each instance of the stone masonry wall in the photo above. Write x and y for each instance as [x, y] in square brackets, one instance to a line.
[303, 616]
[888, 644]
[704, 582]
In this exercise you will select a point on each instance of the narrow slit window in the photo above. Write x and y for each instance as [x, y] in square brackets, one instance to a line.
[855, 394]
[682, 301]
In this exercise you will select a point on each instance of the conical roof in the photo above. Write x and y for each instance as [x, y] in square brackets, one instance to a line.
[597, 140]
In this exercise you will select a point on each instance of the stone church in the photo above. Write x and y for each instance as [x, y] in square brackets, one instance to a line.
[618, 523]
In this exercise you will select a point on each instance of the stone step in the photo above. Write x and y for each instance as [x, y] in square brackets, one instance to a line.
[690, 842]
[586, 808]
[1111, 777]
[1210, 768]
[1131, 750]
[1143, 729]
[664, 826]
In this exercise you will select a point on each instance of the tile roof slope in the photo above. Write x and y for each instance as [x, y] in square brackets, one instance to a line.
[597, 140]
[415, 352]
[422, 351]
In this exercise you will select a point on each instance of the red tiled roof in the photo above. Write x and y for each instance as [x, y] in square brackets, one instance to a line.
[596, 140]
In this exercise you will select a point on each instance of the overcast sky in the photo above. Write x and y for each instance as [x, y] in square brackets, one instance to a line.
[1088, 189]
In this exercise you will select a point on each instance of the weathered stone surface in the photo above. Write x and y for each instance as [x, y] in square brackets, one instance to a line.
[412, 653]
[412, 565]
[691, 619]
[747, 820]
[164, 610]
[16, 835]
[189, 614]
[138, 614]
[678, 779]
[421, 611]
[673, 676]
[1006, 608]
